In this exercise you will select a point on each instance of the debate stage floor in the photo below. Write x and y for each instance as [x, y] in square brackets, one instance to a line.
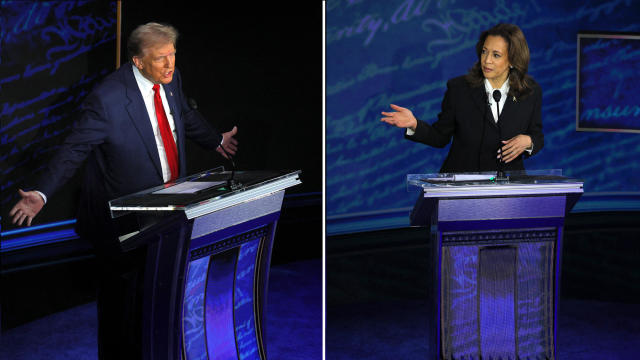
[294, 322]
[371, 328]
[587, 330]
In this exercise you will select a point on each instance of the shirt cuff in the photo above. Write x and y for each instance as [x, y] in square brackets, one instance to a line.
[44, 197]
[530, 149]
[410, 132]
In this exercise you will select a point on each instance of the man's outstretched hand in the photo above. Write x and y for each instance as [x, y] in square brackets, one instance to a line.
[27, 208]
[229, 144]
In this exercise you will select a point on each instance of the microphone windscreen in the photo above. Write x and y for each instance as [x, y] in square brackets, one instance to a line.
[497, 95]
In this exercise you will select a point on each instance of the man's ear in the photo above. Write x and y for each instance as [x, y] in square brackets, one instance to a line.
[137, 62]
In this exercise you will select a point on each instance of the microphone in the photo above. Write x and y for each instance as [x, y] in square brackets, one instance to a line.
[496, 96]
[192, 103]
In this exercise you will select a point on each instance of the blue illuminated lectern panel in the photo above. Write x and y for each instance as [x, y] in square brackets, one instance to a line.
[495, 274]
[221, 299]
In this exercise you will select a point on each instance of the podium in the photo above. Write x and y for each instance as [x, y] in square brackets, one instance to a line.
[496, 250]
[208, 239]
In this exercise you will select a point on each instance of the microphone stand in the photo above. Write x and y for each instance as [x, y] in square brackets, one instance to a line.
[231, 182]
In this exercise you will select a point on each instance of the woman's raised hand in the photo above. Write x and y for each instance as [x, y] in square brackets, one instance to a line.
[401, 117]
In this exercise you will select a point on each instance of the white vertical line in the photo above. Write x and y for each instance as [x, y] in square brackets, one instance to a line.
[324, 185]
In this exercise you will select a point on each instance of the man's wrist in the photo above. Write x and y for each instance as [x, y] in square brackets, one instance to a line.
[43, 196]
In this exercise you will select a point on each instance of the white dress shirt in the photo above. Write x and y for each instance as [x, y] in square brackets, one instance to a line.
[146, 88]
[504, 90]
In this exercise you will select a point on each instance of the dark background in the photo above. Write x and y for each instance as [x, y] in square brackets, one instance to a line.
[258, 66]
[254, 65]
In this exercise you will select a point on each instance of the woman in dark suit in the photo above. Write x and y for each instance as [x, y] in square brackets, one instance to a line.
[492, 113]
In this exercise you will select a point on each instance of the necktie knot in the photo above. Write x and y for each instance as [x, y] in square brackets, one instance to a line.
[156, 87]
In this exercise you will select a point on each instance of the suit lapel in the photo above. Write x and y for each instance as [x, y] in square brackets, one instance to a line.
[508, 110]
[140, 117]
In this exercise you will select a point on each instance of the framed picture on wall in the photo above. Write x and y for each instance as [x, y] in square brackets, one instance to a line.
[608, 82]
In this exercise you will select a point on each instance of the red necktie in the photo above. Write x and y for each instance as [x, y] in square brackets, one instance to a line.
[165, 131]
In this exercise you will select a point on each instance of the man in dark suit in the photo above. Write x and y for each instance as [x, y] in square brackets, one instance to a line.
[118, 133]
[131, 133]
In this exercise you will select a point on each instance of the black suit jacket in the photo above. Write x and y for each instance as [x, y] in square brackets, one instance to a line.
[114, 137]
[467, 119]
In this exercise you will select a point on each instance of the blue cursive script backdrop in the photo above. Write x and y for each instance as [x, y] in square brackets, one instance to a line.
[52, 54]
[404, 51]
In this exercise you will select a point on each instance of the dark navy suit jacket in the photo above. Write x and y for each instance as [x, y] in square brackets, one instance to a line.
[467, 119]
[113, 135]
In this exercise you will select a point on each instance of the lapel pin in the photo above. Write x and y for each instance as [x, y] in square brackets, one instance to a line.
[514, 99]
[171, 94]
